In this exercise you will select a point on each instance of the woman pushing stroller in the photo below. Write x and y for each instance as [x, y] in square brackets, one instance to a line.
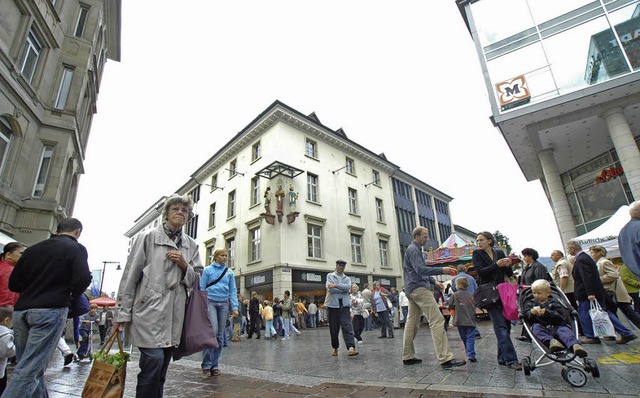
[548, 319]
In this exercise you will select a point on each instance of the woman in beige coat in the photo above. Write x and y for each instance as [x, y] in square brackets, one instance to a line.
[151, 298]
[611, 280]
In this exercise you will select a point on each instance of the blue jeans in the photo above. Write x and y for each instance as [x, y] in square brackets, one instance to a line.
[269, 330]
[154, 363]
[218, 314]
[84, 344]
[564, 332]
[405, 311]
[468, 336]
[585, 320]
[502, 328]
[36, 332]
[289, 327]
[313, 319]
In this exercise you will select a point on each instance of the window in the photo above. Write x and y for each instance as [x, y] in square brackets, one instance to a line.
[43, 171]
[65, 86]
[383, 246]
[312, 187]
[255, 152]
[255, 191]
[311, 148]
[314, 241]
[379, 210]
[5, 140]
[195, 194]
[192, 227]
[356, 249]
[233, 168]
[212, 215]
[214, 182]
[30, 55]
[231, 211]
[375, 177]
[209, 250]
[351, 166]
[231, 252]
[82, 21]
[353, 201]
[254, 237]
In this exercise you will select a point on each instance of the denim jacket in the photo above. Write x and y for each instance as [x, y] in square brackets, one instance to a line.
[341, 291]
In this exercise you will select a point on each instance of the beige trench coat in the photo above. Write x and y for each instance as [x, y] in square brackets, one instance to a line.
[611, 280]
[153, 290]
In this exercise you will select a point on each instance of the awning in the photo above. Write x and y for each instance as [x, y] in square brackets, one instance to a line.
[4, 239]
[278, 168]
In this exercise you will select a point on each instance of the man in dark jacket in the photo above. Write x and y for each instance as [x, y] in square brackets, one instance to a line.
[589, 288]
[254, 316]
[47, 275]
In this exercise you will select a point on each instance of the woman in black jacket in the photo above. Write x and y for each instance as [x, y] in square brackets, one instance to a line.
[493, 267]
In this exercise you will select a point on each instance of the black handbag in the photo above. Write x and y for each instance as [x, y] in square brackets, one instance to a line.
[486, 294]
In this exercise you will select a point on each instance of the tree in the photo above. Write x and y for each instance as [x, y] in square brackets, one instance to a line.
[502, 240]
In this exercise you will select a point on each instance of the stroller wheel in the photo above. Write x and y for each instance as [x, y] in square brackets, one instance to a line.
[593, 367]
[526, 366]
[574, 376]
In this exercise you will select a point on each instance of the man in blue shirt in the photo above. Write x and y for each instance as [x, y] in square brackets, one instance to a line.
[338, 308]
[629, 240]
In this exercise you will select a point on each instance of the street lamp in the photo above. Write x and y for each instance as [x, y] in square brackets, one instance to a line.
[104, 266]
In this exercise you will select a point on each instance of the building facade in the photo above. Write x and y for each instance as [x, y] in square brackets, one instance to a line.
[288, 196]
[565, 94]
[52, 57]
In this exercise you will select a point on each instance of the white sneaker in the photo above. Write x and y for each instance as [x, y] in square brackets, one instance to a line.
[285, 338]
[360, 342]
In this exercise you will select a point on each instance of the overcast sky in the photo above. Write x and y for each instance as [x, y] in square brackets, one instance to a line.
[401, 78]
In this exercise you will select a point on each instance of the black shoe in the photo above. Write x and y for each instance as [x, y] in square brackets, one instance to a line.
[390, 337]
[478, 336]
[626, 339]
[502, 363]
[452, 363]
[515, 366]
[68, 358]
[473, 360]
[524, 338]
[382, 337]
[412, 361]
[258, 338]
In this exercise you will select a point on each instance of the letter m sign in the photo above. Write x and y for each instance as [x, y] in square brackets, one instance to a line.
[513, 92]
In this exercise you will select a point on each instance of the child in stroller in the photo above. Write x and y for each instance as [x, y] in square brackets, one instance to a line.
[549, 320]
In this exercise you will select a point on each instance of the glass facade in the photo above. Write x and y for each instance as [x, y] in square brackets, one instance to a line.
[558, 46]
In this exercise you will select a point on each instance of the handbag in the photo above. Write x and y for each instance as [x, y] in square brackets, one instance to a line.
[485, 295]
[602, 326]
[197, 331]
[508, 296]
[365, 313]
[105, 380]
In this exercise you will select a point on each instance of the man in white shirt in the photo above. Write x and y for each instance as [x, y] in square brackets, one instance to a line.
[313, 314]
[403, 301]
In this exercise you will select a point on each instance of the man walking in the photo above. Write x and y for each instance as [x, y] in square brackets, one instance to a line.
[339, 308]
[419, 283]
[254, 316]
[46, 276]
[629, 240]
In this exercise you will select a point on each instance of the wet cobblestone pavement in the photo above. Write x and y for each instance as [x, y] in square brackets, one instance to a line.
[304, 367]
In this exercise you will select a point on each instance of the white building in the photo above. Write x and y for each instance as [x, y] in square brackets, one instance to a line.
[351, 204]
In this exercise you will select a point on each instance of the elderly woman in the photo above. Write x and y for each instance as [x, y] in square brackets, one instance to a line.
[492, 268]
[220, 284]
[357, 310]
[152, 293]
[381, 310]
[617, 296]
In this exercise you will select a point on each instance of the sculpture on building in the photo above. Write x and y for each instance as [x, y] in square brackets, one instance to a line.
[293, 199]
[279, 199]
[267, 200]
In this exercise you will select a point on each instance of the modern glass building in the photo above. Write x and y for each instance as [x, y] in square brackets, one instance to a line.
[565, 94]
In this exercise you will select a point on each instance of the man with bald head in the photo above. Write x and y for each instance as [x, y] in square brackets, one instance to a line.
[629, 240]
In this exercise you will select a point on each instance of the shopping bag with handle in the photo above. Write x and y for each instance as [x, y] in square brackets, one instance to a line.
[602, 326]
[108, 372]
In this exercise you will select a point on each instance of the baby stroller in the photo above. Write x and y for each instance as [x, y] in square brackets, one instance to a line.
[573, 369]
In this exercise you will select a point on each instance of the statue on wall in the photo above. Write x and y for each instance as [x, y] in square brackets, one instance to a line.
[267, 200]
[279, 199]
[293, 199]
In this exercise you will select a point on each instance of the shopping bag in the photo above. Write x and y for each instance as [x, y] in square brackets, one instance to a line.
[106, 380]
[602, 326]
[486, 295]
[508, 296]
[197, 331]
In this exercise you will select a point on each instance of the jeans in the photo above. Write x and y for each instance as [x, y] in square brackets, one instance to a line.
[84, 344]
[368, 323]
[585, 320]
[288, 326]
[564, 333]
[468, 336]
[340, 318]
[278, 325]
[269, 330]
[405, 311]
[154, 363]
[313, 320]
[37, 332]
[358, 326]
[218, 315]
[421, 301]
[502, 328]
[630, 313]
[385, 323]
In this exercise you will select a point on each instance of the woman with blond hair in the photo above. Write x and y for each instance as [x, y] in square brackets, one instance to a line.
[220, 284]
[357, 312]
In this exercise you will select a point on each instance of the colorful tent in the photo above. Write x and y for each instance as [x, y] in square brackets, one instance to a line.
[455, 240]
[102, 301]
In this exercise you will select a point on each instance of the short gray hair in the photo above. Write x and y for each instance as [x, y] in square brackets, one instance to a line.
[178, 199]
[634, 209]
[575, 244]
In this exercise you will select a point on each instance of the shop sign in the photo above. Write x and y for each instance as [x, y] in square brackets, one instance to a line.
[385, 281]
[513, 92]
[609, 174]
[259, 279]
[307, 277]
[311, 277]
